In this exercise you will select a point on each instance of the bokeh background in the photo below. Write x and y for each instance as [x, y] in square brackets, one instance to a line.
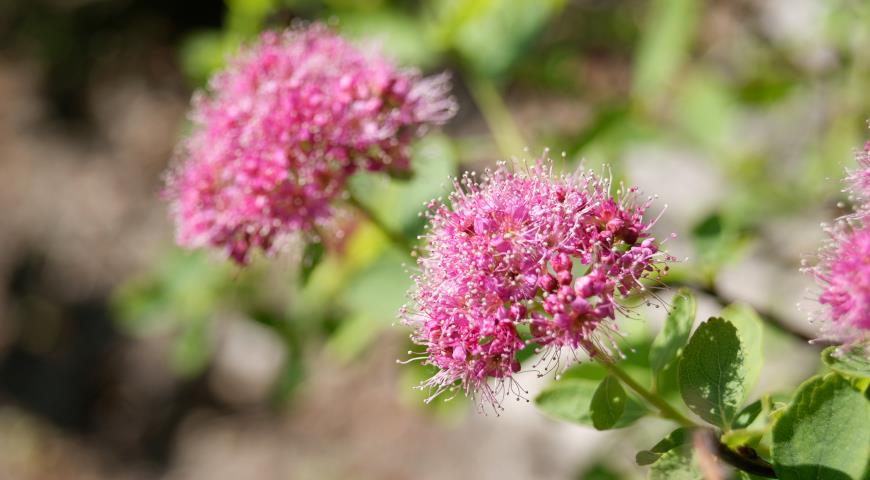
[123, 357]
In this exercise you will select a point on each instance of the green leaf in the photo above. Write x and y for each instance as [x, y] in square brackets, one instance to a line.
[646, 457]
[824, 433]
[588, 371]
[570, 397]
[311, 258]
[567, 400]
[608, 403]
[675, 332]
[667, 382]
[711, 372]
[678, 437]
[853, 363]
[676, 464]
[634, 411]
[750, 330]
[747, 415]
[600, 471]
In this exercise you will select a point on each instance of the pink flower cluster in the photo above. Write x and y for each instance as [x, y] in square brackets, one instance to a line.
[278, 132]
[843, 270]
[520, 259]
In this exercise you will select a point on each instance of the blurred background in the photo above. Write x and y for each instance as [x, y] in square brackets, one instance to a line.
[123, 357]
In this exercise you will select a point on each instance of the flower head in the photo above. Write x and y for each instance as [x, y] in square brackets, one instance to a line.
[843, 269]
[524, 258]
[844, 274]
[278, 132]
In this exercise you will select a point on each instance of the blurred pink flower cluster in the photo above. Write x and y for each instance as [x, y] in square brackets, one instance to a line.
[843, 270]
[277, 133]
[525, 259]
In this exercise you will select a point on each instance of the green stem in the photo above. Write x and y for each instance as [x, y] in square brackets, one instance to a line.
[751, 464]
[496, 114]
[397, 239]
[665, 409]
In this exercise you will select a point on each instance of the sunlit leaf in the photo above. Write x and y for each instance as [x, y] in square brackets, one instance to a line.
[675, 332]
[608, 403]
[824, 433]
[852, 363]
[677, 438]
[676, 464]
[751, 333]
[568, 400]
[748, 414]
[712, 372]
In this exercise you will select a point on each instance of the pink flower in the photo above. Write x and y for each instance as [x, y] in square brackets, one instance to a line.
[523, 251]
[843, 269]
[278, 132]
[844, 275]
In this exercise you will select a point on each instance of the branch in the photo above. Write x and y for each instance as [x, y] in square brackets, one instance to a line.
[744, 458]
